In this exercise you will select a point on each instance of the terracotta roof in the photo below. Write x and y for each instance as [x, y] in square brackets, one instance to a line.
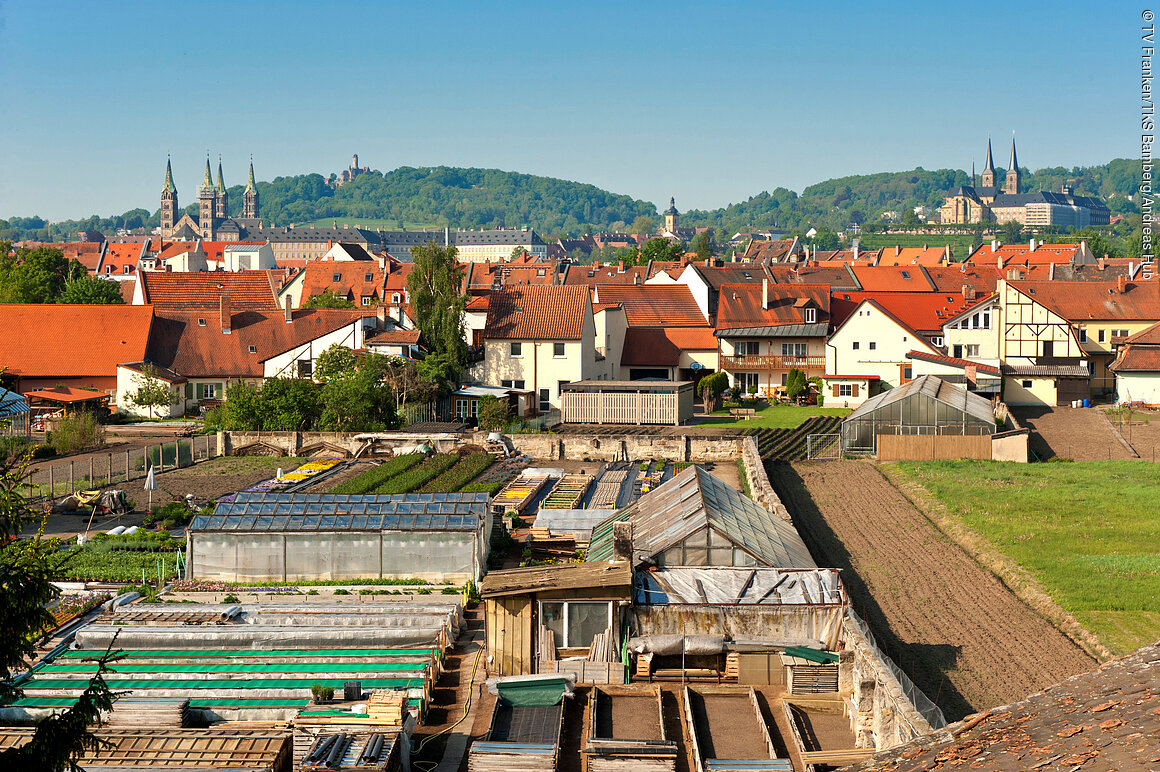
[537, 313]
[163, 373]
[740, 305]
[838, 276]
[734, 273]
[926, 356]
[127, 288]
[72, 340]
[66, 394]
[605, 274]
[920, 311]
[1084, 300]
[120, 255]
[654, 305]
[1148, 336]
[182, 345]
[953, 278]
[928, 256]
[652, 347]
[1136, 358]
[176, 290]
[1016, 254]
[393, 337]
[1107, 718]
[479, 303]
[87, 253]
[890, 278]
[351, 282]
[772, 251]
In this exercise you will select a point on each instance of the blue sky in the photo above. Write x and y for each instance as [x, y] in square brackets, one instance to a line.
[709, 103]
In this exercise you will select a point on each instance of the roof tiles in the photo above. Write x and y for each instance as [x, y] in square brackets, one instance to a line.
[176, 290]
[72, 340]
[537, 313]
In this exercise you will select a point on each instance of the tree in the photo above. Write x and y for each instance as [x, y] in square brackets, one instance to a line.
[328, 299]
[337, 360]
[289, 404]
[517, 253]
[795, 383]
[151, 391]
[910, 218]
[29, 570]
[404, 382]
[494, 414]
[711, 387]
[825, 240]
[643, 225]
[704, 244]
[661, 249]
[358, 399]
[32, 275]
[436, 288]
[92, 291]
[1012, 232]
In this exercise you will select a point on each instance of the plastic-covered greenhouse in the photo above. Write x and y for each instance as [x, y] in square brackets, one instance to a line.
[926, 405]
[14, 415]
[438, 537]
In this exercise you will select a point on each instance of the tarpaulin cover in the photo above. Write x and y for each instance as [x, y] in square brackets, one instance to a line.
[268, 653]
[667, 645]
[532, 691]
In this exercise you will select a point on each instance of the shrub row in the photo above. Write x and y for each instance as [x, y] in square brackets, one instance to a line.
[372, 478]
[465, 470]
[490, 489]
[413, 479]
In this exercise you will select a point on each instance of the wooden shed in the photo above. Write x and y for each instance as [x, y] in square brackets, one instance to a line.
[627, 402]
[534, 616]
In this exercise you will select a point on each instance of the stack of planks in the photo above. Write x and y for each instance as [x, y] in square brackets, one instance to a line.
[546, 650]
[544, 545]
[148, 713]
[387, 706]
[806, 677]
[607, 491]
[603, 648]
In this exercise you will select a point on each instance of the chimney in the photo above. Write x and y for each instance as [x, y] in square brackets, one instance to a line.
[1121, 284]
[897, 250]
[968, 292]
[1051, 271]
[1103, 263]
[947, 255]
[1034, 244]
[289, 315]
[999, 262]
[636, 279]
[994, 245]
[226, 315]
[972, 374]
[620, 267]
[855, 250]
[684, 259]
[764, 294]
[622, 542]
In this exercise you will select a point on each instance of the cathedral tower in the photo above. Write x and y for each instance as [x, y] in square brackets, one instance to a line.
[1013, 176]
[987, 179]
[221, 195]
[168, 201]
[671, 216]
[250, 197]
[207, 199]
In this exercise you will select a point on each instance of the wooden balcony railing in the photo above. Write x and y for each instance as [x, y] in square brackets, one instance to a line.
[773, 363]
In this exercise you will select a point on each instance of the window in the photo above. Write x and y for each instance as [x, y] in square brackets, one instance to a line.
[208, 390]
[336, 277]
[793, 349]
[395, 297]
[905, 274]
[1101, 336]
[253, 349]
[545, 400]
[575, 623]
[971, 350]
[368, 277]
[466, 408]
[128, 269]
[367, 300]
[748, 348]
[845, 389]
[516, 348]
[1119, 333]
[811, 315]
[745, 380]
[1082, 335]
[907, 373]
[108, 269]
[873, 345]
[305, 368]
[514, 384]
[855, 345]
[558, 350]
[540, 272]
[936, 340]
[1025, 384]
[200, 322]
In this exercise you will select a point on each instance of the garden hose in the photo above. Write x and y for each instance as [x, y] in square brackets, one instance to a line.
[429, 765]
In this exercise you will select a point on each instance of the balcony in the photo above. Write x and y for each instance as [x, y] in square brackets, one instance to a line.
[773, 363]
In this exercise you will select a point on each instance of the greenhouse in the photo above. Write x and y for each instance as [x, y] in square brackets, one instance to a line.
[258, 537]
[14, 415]
[925, 406]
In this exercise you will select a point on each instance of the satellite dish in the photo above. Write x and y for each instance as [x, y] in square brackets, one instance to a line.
[697, 366]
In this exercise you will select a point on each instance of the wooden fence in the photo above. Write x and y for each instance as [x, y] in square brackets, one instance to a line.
[610, 408]
[933, 447]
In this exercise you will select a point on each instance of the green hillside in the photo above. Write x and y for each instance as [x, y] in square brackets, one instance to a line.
[488, 198]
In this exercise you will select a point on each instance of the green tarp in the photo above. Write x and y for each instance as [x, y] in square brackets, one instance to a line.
[813, 655]
[539, 691]
[255, 667]
[264, 654]
[241, 683]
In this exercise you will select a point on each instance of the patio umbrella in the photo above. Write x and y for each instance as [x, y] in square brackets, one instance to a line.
[150, 485]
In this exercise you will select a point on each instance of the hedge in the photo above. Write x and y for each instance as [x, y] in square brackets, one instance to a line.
[372, 478]
[465, 470]
[418, 477]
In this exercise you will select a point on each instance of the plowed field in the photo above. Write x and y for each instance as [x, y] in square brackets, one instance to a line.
[964, 638]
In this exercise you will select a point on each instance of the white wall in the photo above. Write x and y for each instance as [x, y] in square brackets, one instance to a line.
[284, 364]
[1138, 387]
[869, 325]
[128, 381]
[249, 257]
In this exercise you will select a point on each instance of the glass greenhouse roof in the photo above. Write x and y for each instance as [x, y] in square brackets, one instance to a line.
[333, 512]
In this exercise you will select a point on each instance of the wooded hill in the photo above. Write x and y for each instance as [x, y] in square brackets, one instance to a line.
[488, 198]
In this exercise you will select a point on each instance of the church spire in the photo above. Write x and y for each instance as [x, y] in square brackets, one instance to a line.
[1013, 175]
[250, 181]
[990, 167]
[221, 186]
[169, 186]
[1014, 165]
[207, 182]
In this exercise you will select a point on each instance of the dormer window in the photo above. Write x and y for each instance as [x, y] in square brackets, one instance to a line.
[905, 274]
[200, 322]
[395, 297]
[128, 269]
[108, 269]
[253, 349]
[811, 315]
[336, 277]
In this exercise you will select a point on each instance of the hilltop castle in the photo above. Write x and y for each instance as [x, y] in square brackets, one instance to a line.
[213, 221]
[987, 202]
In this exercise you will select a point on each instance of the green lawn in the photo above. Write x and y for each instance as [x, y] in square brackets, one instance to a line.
[772, 417]
[1088, 531]
[960, 244]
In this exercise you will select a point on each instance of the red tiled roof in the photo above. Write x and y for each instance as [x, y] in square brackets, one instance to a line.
[87, 253]
[1137, 358]
[478, 303]
[772, 251]
[838, 276]
[1107, 718]
[537, 313]
[928, 256]
[1149, 336]
[352, 282]
[605, 274]
[1017, 254]
[66, 394]
[881, 278]
[1084, 300]
[654, 305]
[651, 347]
[128, 286]
[926, 356]
[740, 305]
[175, 290]
[72, 340]
[920, 311]
[393, 337]
[180, 344]
[119, 255]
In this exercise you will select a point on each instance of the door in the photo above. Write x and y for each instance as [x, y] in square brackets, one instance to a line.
[1048, 349]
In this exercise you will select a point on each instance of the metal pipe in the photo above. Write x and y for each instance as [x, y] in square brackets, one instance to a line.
[321, 746]
[337, 751]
